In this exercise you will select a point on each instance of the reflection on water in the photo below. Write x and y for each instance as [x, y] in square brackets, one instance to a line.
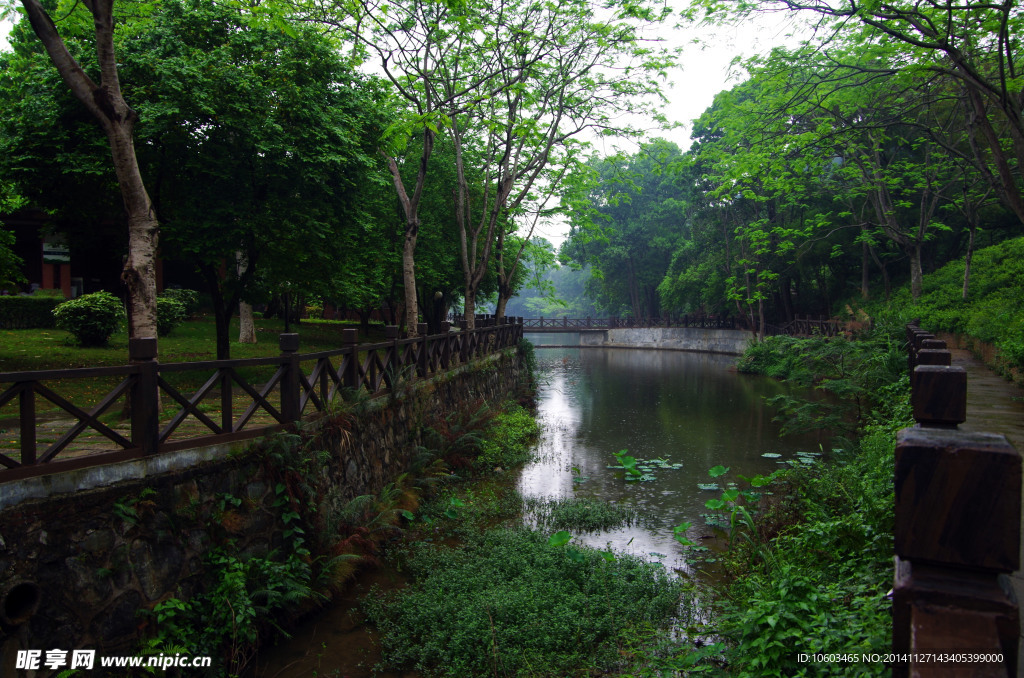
[691, 409]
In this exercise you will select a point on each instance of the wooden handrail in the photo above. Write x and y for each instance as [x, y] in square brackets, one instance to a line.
[372, 368]
[957, 528]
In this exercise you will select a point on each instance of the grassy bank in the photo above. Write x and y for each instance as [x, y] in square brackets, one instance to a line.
[193, 340]
[990, 316]
[490, 597]
[810, 564]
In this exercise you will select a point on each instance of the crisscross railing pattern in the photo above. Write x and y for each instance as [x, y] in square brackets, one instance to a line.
[576, 324]
[157, 407]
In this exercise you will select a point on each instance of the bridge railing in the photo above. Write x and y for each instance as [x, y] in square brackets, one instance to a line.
[572, 324]
[807, 326]
[185, 405]
[799, 326]
[957, 531]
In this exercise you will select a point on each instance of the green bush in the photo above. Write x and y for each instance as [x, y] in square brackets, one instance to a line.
[188, 298]
[22, 313]
[91, 318]
[507, 443]
[170, 312]
[810, 573]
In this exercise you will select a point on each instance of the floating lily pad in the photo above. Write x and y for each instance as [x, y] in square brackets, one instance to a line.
[708, 486]
[771, 455]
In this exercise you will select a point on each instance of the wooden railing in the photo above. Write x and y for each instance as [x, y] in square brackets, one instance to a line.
[808, 326]
[957, 532]
[567, 324]
[212, 402]
[800, 326]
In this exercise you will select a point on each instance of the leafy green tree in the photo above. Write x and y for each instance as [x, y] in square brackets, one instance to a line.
[259, 142]
[627, 225]
[974, 43]
[105, 102]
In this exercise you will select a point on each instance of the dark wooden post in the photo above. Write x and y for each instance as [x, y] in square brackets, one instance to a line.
[957, 530]
[392, 364]
[350, 340]
[144, 409]
[446, 345]
[289, 345]
[27, 423]
[421, 357]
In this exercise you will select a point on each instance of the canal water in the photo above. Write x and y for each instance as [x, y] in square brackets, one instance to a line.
[686, 412]
[680, 413]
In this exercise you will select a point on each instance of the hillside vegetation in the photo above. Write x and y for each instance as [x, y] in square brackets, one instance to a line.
[991, 320]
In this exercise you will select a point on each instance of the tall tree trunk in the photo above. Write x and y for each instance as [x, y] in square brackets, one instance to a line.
[884, 270]
[916, 276]
[865, 278]
[760, 320]
[412, 313]
[246, 327]
[967, 262]
[105, 102]
[222, 310]
[410, 208]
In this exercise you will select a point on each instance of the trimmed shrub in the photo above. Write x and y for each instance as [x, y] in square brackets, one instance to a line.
[189, 299]
[91, 318]
[170, 312]
[25, 312]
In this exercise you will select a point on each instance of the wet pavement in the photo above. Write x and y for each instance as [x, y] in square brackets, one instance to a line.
[995, 405]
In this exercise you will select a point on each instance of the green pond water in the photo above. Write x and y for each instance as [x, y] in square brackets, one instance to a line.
[692, 411]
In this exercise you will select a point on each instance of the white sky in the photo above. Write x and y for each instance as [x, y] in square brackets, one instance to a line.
[707, 55]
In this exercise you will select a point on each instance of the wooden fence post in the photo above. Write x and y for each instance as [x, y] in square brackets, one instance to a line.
[289, 345]
[392, 362]
[422, 329]
[957, 530]
[144, 409]
[446, 345]
[350, 339]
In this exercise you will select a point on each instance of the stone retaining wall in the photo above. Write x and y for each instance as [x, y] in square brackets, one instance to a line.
[733, 342]
[81, 555]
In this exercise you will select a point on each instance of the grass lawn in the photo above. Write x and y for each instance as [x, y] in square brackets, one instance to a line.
[195, 340]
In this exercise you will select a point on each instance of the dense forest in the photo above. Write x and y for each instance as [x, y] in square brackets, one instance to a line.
[885, 147]
[401, 155]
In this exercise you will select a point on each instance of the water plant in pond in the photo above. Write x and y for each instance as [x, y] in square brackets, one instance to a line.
[733, 501]
[679, 534]
[581, 514]
[628, 463]
[638, 470]
[516, 602]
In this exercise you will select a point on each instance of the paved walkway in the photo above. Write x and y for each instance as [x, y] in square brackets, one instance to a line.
[995, 405]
